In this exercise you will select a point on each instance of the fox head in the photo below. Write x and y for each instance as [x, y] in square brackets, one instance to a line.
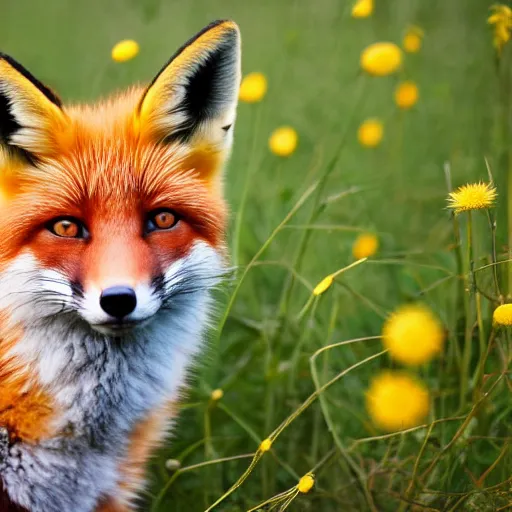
[110, 213]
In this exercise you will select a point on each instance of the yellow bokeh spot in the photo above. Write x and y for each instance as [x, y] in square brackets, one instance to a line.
[306, 483]
[217, 394]
[323, 285]
[473, 196]
[265, 445]
[362, 9]
[406, 95]
[413, 39]
[396, 401]
[503, 315]
[253, 88]
[125, 50]
[365, 245]
[370, 133]
[283, 141]
[413, 335]
[381, 59]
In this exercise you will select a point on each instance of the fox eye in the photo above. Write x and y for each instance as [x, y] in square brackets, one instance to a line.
[67, 228]
[161, 219]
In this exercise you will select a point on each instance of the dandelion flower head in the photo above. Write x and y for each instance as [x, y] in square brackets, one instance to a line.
[362, 9]
[253, 87]
[365, 245]
[406, 95]
[473, 196]
[503, 315]
[413, 39]
[501, 19]
[370, 133]
[283, 141]
[125, 50]
[380, 59]
[397, 401]
[413, 335]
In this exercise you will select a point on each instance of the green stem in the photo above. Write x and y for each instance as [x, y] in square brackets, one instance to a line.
[468, 285]
[245, 192]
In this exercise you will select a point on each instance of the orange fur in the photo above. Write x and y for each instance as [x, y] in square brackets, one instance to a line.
[26, 409]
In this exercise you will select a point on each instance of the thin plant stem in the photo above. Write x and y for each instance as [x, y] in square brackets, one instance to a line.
[468, 289]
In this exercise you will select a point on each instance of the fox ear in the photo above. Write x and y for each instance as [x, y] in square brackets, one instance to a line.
[194, 97]
[31, 117]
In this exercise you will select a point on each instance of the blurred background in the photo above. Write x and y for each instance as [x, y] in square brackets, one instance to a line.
[270, 323]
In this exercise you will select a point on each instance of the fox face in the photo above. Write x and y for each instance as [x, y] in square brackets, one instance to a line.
[108, 212]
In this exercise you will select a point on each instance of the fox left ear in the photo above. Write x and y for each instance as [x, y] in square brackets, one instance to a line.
[31, 117]
[194, 97]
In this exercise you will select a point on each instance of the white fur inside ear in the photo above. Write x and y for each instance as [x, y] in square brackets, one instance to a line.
[33, 115]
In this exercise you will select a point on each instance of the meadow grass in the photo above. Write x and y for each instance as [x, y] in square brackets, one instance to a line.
[294, 367]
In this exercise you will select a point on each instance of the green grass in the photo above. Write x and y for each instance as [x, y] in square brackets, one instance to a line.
[261, 358]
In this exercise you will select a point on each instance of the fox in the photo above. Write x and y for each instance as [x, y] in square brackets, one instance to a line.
[112, 237]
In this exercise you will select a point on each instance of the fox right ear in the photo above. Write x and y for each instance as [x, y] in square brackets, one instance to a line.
[196, 93]
[31, 117]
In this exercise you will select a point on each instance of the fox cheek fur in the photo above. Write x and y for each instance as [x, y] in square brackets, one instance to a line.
[112, 224]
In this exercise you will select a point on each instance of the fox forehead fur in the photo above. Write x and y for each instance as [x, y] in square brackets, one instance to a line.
[123, 201]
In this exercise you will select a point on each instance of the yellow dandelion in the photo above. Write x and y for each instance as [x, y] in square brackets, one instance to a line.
[413, 39]
[501, 19]
[473, 196]
[397, 401]
[365, 245]
[217, 394]
[323, 285]
[503, 315]
[370, 133]
[362, 9]
[306, 483]
[283, 141]
[381, 59]
[406, 95]
[253, 88]
[413, 335]
[125, 50]
[265, 445]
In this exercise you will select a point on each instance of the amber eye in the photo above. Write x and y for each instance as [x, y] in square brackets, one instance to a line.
[161, 219]
[67, 228]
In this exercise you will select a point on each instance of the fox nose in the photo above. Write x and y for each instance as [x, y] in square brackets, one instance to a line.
[118, 301]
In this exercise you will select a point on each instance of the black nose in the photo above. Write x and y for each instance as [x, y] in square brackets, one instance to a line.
[118, 301]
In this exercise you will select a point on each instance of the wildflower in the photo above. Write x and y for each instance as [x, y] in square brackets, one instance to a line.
[473, 196]
[413, 39]
[370, 133]
[265, 445]
[406, 95]
[501, 18]
[253, 87]
[366, 245]
[362, 9]
[323, 285]
[503, 315]
[125, 50]
[283, 141]
[217, 394]
[413, 335]
[397, 401]
[381, 59]
[306, 483]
